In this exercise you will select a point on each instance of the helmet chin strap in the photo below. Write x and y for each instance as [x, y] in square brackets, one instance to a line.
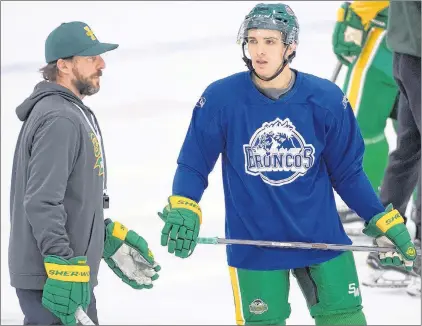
[278, 72]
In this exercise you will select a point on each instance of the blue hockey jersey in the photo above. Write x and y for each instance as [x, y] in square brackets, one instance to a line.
[280, 160]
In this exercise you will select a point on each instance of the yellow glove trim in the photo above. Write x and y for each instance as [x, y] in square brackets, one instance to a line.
[389, 220]
[340, 15]
[67, 273]
[150, 254]
[411, 252]
[119, 231]
[183, 202]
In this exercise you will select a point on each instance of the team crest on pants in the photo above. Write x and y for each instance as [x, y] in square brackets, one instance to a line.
[278, 153]
[258, 307]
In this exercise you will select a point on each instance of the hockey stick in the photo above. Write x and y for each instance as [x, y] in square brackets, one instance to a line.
[299, 245]
[82, 317]
[336, 71]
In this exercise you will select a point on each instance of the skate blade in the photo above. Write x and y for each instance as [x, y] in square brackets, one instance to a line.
[386, 285]
[378, 280]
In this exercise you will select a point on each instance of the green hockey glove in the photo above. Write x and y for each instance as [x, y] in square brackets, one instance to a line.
[388, 229]
[67, 287]
[129, 257]
[348, 36]
[182, 217]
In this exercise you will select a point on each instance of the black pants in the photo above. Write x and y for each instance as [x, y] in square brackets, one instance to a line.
[36, 314]
[404, 165]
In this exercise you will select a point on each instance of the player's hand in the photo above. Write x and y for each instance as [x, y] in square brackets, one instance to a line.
[388, 229]
[128, 256]
[348, 36]
[182, 217]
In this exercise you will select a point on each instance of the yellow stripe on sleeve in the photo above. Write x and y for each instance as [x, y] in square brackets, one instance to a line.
[368, 10]
[358, 75]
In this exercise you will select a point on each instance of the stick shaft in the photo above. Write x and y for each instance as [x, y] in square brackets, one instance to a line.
[298, 245]
[336, 71]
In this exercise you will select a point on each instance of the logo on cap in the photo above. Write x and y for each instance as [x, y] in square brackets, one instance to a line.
[90, 33]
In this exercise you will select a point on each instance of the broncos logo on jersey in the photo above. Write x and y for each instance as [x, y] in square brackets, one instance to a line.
[278, 153]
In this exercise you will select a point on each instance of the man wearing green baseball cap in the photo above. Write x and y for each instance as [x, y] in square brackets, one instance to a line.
[58, 234]
[74, 39]
[72, 53]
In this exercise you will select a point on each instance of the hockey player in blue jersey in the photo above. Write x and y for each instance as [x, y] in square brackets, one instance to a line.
[286, 139]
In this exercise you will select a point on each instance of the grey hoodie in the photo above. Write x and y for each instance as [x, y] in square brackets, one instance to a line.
[56, 196]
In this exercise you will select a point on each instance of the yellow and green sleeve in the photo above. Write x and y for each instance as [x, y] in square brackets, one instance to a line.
[368, 10]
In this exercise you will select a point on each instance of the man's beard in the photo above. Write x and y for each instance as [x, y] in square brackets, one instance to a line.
[84, 85]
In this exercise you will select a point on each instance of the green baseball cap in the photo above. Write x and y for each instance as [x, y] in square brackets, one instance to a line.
[74, 38]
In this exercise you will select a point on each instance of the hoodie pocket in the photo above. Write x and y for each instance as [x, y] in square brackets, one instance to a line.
[94, 251]
[90, 234]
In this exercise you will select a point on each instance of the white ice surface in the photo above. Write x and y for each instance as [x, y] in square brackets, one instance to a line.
[169, 52]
